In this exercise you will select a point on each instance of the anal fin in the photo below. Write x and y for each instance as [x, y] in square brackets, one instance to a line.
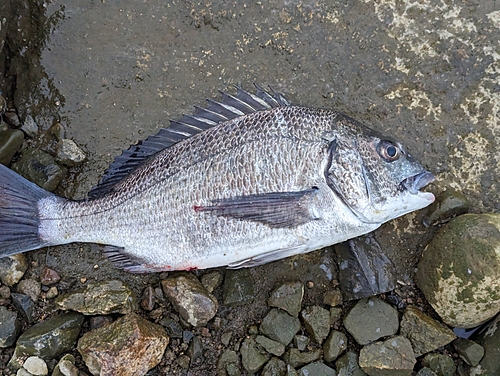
[264, 258]
[122, 260]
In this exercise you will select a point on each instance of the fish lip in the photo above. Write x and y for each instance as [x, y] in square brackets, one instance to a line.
[414, 183]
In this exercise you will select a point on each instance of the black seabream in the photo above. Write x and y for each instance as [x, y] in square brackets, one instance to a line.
[247, 180]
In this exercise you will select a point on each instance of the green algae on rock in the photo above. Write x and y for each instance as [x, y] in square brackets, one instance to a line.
[459, 272]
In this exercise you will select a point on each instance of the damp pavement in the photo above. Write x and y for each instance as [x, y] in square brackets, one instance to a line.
[81, 82]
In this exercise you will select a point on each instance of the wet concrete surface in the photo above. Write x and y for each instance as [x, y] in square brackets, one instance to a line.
[113, 72]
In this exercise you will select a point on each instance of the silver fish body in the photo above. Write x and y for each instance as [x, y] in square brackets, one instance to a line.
[250, 180]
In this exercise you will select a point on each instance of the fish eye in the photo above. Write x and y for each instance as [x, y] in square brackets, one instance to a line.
[389, 151]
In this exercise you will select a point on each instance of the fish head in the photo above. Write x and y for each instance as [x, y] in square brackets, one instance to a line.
[376, 177]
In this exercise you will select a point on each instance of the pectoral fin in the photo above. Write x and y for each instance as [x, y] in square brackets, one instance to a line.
[275, 209]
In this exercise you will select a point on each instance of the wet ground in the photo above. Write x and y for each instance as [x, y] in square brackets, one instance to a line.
[113, 72]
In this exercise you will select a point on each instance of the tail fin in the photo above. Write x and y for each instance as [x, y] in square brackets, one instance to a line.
[19, 218]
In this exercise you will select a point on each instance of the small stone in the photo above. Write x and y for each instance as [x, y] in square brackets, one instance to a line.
[58, 131]
[280, 326]
[173, 328]
[31, 288]
[443, 365]
[335, 344]
[12, 118]
[183, 361]
[317, 322]
[333, 298]
[99, 321]
[12, 269]
[371, 319]
[148, 298]
[288, 297]
[190, 298]
[40, 168]
[228, 358]
[251, 358]
[29, 126]
[426, 372]
[296, 358]
[335, 315]
[226, 338]
[272, 347]
[129, 346]
[36, 366]
[469, 351]
[25, 305]
[11, 141]
[348, 365]
[99, 298]
[68, 153]
[391, 357]
[274, 367]
[195, 350]
[488, 336]
[9, 327]
[48, 338]
[448, 204]
[301, 342]
[317, 368]
[253, 330]
[425, 334]
[212, 280]
[238, 288]
[52, 292]
[49, 276]
[65, 366]
[23, 372]
[5, 292]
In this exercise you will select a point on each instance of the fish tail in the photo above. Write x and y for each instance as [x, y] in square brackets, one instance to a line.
[19, 217]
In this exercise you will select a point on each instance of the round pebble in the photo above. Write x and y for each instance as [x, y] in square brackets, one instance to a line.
[36, 366]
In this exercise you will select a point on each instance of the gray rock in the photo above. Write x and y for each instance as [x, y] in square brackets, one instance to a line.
[335, 315]
[426, 372]
[190, 298]
[448, 204]
[212, 280]
[12, 269]
[195, 349]
[371, 319]
[317, 368]
[36, 366]
[173, 328]
[274, 367]
[347, 365]
[461, 267]
[335, 344]
[148, 298]
[11, 141]
[443, 365]
[29, 126]
[272, 347]
[9, 327]
[129, 346]
[23, 372]
[469, 351]
[238, 288]
[228, 359]
[251, 358]
[25, 306]
[280, 326]
[99, 298]
[489, 338]
[40, 168]
[364, 269]
[290, 371]
[391, 357]
[317, 322]
[65, 366]
[297, 358]
[425, 334]
[49, 338]
[12, 118]
[68, 153]
[301, 342]
[31, 288]
[288, 297]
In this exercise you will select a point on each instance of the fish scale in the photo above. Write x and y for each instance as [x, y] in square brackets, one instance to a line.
[249, 180]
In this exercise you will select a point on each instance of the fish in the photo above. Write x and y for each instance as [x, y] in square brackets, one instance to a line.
[247, 180]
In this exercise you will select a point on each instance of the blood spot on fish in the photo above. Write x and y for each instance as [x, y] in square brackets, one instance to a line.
[191, 268]
[198, 208]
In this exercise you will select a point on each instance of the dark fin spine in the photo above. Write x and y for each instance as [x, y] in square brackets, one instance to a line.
[19, 218]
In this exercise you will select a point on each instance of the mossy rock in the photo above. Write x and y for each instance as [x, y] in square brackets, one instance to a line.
[459, 272]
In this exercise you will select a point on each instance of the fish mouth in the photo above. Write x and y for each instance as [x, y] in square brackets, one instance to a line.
[414, 183]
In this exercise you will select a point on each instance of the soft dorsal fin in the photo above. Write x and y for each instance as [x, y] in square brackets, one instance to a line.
[228, 108]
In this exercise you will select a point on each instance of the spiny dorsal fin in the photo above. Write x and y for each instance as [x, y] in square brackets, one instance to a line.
[228, 108]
